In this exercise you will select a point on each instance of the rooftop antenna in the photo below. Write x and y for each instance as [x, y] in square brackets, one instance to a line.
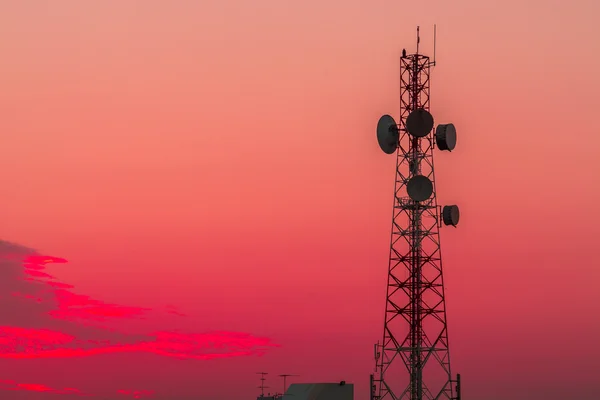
[262, 386]
[284, 376]
[415, 332]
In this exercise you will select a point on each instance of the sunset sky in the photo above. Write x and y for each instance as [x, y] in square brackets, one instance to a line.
[209, 169]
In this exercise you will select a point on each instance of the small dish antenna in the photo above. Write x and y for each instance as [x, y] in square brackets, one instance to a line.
[450, 215]
[419, 188]
[445, 137]
[419, 123]
[387, 134]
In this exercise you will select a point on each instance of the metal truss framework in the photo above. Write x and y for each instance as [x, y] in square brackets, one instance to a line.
[413, 361]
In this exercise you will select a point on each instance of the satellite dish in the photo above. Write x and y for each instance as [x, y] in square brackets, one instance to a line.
[419, 188]
[450, 215]
[445, 137]
[387, 134]
[419, 123]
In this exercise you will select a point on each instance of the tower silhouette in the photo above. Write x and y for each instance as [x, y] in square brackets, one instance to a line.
[413, 360]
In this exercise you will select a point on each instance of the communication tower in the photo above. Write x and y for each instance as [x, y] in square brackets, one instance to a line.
[413, 361]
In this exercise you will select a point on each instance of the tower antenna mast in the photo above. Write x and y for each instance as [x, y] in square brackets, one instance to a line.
[413, 360]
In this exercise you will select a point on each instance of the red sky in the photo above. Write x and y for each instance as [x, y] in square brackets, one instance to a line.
[220, 157]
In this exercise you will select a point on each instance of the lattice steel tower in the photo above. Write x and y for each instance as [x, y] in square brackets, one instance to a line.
[413, 361]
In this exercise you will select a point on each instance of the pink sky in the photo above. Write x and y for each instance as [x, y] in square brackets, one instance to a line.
[220, 156]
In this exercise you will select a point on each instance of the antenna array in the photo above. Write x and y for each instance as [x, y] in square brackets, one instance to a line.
[262, 386]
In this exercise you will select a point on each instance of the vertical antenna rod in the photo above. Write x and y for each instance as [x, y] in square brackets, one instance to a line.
[434, 40]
